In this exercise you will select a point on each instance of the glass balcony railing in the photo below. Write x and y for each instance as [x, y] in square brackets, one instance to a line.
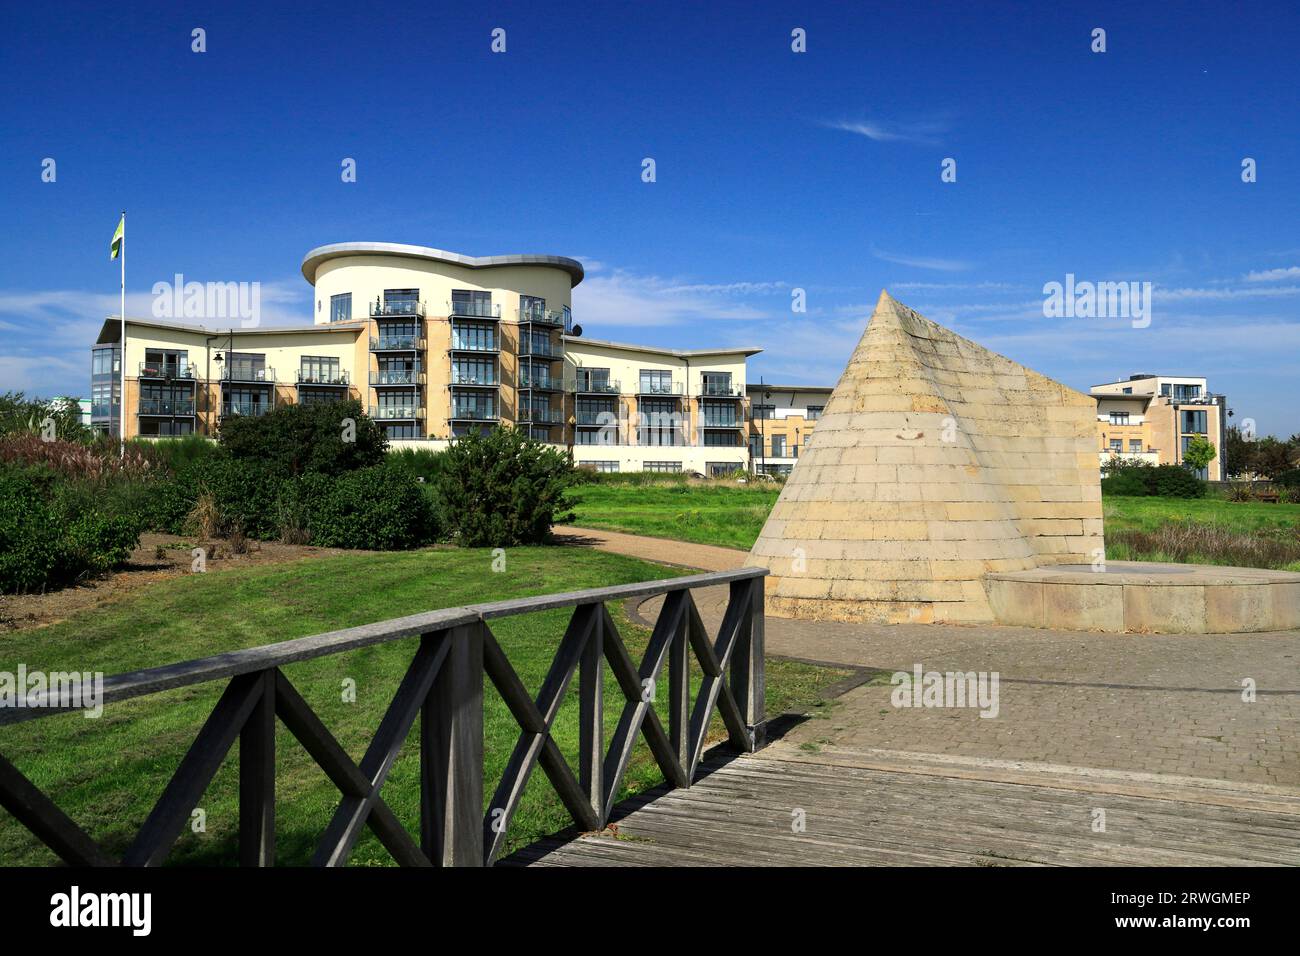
[163, 406]
[473, 308]
[592, 387]
[468, 378]
[721, 390]
[721, 423]
[318, 377]
[544, 348]
[244, 372]
[390, 412]
[541, 416]
[165, 370]
[609, 418]
[529, 379]
[396, 343]
[398, 376]
[547, 317]
[394, 307]
[648, 386]
[472, 343]
[470, 413]
[253, 409]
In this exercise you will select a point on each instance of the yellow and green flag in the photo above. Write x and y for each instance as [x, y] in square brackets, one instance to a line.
[116, 247]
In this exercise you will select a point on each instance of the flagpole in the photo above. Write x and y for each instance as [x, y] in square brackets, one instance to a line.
[121, 423]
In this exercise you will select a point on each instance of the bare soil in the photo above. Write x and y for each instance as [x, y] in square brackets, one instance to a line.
[158, 558]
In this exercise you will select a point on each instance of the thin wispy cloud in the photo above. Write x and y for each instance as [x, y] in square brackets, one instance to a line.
[621, 297]
[923, 262]
[922, 133]
[1274, 275]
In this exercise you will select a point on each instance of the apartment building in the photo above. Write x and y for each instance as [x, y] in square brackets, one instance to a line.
[434, 343]
[1153, 418]
[782, 420]
[638, 408]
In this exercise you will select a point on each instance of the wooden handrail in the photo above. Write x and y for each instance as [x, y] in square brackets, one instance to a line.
[443, 688]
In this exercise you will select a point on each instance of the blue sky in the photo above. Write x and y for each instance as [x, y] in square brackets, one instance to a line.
[775, 170]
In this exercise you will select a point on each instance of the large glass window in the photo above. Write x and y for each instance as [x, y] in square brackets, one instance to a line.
[719, 414]
[756, 445]
[1117, 446]
[656, 382]
[471, 302]
[1135, 446]
[815, 412]
[1185, 393]
[593, 379]
[473, 371]
[659, 423]
[401, 301]
[715, 383]
[724, 439]
[1194, 423]
[169, 363]
[663, 466]
[765, 411]
[479, 406]
[531, 307]
[319, 369]
[1119, 418]
[341, 307]
[475, 336]
[778, 446]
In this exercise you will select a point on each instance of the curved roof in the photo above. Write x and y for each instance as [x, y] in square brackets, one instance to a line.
[312, 261]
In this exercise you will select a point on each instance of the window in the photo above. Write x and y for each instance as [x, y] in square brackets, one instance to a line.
[538, 343]
[1194, 423]
[719, 414]
[756, 445]
[246, 367]
[166, 363]
[1165, 389]
[397, 370]
[476, 406]
[723, 439]
[778, 446]
[593, 379]
[397, 403]
[720, 469]
[470, 302]
[659, 423]
[341, 307]
[661, 466]
[595, 411]
[473, 371]
[401, 301]
[404, 430]
[815, 412]
[1117, 446]
[599, 465]
[398, 335]
[319, 396]
[1186, 393]
[103, 361]
[473, 336]
[715, 383]
[596, 436]
[165, 427]
[656, 382]
[1119, 418]
[531, 307]
[765, 411]
[319, 370]
[1129, 390]
[245, 401]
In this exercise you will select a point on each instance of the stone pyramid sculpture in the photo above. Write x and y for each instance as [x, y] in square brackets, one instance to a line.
[934, 463]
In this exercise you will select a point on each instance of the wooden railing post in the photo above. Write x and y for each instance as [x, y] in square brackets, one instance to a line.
[591, 719]
[748, 677]
[451, 754]
[257, 780]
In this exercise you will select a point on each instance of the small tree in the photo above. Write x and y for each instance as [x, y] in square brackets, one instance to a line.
[292, 440]
[1199, 453]
[502, 488]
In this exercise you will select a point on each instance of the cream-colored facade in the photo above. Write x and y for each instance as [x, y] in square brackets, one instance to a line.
[1153, 418]
[782, 419]
[435, 343]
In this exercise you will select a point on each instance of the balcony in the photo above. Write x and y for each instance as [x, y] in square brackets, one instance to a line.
[539, 382]
[541, 416]
[388, 413]
[397, 343]
[324, 379]
[720, 390]
[406, 377]
[169, 408]
[251, 409]
[653, 389]
[166, 370]
[607, 418]
[547, 317]
[588, 387]
[470, 345]
[467, 414]
[723, 424]
[243, 372]
[542, 349]
[463, 380]
[396, 308]
[472, 309]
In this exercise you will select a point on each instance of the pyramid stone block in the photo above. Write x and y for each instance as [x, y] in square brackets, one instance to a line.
[935, 462]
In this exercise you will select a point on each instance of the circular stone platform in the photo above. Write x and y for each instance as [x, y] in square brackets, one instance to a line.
[1147, 598]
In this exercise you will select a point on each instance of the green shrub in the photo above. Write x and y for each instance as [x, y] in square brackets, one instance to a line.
[306, 439]
[48, 540]
[244, 494]
[1288, 479]
[1175, 481]
[1124, 482]
[502, 488]
[381, 508]
[420, 462]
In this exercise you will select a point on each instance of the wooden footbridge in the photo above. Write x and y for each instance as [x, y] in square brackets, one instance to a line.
[737, 804]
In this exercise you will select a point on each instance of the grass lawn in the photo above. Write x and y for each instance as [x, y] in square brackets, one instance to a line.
[107, 773]
[1201, 531]
[722, 514]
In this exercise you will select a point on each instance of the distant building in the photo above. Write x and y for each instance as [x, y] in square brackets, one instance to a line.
[782, 419]
[1154, 418]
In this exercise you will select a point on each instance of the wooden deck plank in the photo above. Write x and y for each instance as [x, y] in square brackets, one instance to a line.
[739, 814]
